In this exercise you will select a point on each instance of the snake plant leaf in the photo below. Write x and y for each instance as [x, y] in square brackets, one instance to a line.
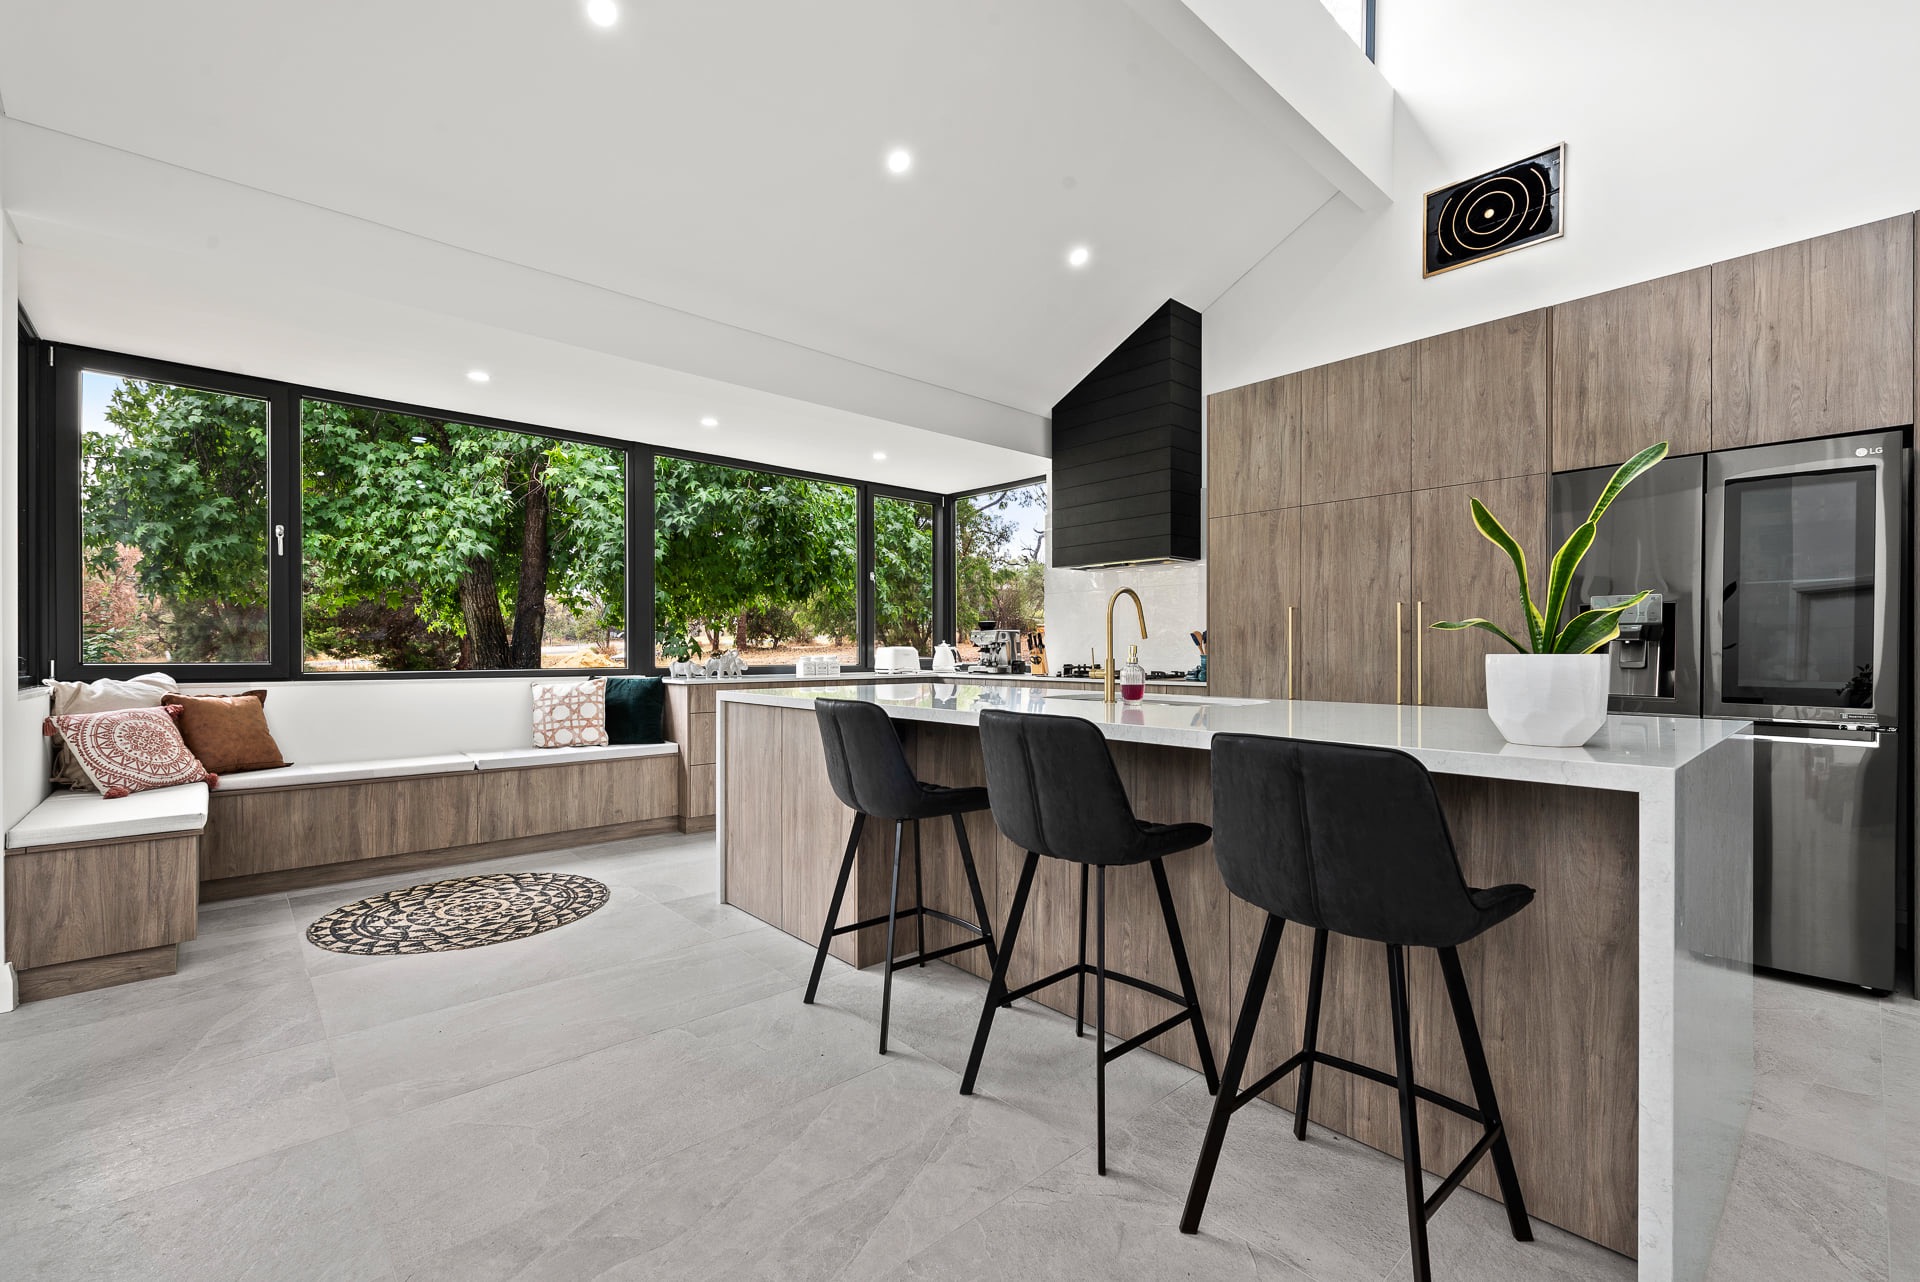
[1560, 577]
[1495, 533]
[1483, 624]
[1623, 475]
[1587, 632]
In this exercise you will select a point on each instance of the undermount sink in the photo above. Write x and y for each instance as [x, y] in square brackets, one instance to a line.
[1176, 700]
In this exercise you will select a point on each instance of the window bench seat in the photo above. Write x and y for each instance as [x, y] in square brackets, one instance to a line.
[102, 891]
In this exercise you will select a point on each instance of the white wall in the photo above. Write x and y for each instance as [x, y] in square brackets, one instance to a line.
[1174, 597]
[320, 721]
[20, 752]
[1696, 130]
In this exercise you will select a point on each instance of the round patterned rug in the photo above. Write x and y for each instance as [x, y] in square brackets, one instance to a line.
[466, 912]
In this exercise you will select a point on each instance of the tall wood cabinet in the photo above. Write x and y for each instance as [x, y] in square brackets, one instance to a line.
[1339, 494]
[1815, 338]
[1631, 367]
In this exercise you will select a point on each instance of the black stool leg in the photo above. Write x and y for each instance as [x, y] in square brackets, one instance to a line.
[1237, 1052]
[893, 916]
[1181, 964]
[919, 901]
[1100, 1022]
[833, 909]
[1409, 1112]
[1476, 1057]
[973, 888]
[1080, 980]
[1310, 1039]
[997, 986]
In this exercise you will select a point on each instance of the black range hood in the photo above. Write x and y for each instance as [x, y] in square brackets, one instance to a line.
[1126, 451]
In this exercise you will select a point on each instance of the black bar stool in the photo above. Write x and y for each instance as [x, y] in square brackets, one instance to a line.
[1056, 793]
[870, 774]
[1352, 840]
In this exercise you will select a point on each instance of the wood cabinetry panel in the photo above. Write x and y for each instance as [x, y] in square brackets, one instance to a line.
[1631, 367]
[69, 903]
[577, 796]
[1815, 338]
[755, 841]
[699, 743]
[1253, 442]
[274, 829]
[1458, 574]
[813, 838]
[1250, 584]
[1480, 402]
[698, 802]
[1357, 427]
[1354, 569]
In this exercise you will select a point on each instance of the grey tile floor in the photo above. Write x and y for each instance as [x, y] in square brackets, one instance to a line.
[642, 1095]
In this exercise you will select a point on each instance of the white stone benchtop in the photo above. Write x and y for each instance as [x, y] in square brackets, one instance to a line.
[1625, 756]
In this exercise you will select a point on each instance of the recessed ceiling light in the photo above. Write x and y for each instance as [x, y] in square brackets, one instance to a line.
[602, 13]
[1078, 256]
[899, 160]
[709, 421]
[479, 375]
[879, 456]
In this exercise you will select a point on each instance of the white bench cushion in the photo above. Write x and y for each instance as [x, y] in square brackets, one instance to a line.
[517, 758]
[346, 771]
[75, 818]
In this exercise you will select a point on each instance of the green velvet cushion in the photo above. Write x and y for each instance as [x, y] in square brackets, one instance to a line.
[636, 707]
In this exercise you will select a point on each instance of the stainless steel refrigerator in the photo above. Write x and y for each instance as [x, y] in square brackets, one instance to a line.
[1783, 594]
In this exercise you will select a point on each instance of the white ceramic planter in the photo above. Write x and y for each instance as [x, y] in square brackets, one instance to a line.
[1548, 700]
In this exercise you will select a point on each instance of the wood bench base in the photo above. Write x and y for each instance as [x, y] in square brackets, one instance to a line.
[89, 973]
[268, 883]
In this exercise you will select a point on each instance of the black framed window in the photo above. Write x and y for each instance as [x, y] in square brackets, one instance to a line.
[1356, 19]
[429, 543]
[226, 528]
[904, 578]
[1000, 560]
[761, 561]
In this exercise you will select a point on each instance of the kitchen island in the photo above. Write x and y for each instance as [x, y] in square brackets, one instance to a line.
[1616, 1010]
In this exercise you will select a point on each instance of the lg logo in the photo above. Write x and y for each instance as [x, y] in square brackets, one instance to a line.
[1864, 450]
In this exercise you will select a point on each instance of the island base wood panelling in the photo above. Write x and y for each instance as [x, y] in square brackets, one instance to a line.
[1555, 988]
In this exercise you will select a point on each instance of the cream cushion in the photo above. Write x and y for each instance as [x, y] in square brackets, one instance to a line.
[77, 818]
[347, 771]
[518, 758]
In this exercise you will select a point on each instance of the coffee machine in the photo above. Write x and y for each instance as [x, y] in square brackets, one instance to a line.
[999, 648]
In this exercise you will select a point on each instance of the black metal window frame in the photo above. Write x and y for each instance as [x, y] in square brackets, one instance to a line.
[950, 588]
[50, 431]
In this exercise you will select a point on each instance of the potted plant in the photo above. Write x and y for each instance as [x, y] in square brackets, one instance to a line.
[1552, 692]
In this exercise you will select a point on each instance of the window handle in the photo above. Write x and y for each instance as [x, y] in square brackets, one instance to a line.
[280, 539]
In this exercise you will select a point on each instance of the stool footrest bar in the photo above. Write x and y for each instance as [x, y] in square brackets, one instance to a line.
[1141, 1039]
[1459, 1173]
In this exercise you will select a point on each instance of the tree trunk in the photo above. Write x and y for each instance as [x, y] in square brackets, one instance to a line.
[480, 603]
[530, 597]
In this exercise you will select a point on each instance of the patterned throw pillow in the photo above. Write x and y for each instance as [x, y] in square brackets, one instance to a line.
[570, 714]
[133, 750]
[104, 695]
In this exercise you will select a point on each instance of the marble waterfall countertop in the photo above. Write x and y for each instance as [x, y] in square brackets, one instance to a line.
[1627, 754]
[1693, 783]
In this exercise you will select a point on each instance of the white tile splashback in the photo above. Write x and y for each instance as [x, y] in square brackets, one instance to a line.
[1175, 598]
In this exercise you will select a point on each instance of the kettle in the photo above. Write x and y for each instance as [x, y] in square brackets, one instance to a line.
[944, 659]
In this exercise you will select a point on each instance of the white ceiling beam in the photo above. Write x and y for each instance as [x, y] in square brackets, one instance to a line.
[1290, 65]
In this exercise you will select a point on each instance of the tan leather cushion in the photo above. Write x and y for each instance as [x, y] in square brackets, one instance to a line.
[228, 732]
[75, 698]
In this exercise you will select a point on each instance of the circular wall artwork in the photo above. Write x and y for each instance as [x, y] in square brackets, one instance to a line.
[465, 912]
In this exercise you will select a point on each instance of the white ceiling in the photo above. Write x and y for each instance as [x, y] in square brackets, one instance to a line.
[692, 200]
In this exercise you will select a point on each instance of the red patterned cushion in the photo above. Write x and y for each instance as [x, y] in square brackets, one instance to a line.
[132, 750]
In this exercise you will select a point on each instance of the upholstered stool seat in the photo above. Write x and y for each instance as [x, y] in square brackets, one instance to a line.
[1352, 840]
[1055, 792]
[869, 771]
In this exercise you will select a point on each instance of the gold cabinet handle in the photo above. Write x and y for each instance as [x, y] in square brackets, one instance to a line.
[1399, 648]
[1419, 652]
[1289, 653]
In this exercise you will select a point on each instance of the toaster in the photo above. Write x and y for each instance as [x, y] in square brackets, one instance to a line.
[892, 659]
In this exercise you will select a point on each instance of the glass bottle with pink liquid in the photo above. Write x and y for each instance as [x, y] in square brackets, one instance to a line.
[1132, 677]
